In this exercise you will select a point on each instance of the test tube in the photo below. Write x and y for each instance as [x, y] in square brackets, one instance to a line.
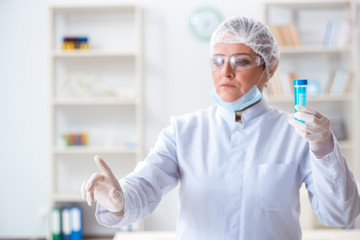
[300, 93]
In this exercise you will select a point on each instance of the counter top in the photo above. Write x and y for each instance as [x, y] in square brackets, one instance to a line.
[307, 235]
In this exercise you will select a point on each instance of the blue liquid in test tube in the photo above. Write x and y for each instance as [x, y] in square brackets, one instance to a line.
[300, 93]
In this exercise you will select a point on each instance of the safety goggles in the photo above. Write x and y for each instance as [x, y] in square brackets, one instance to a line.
[238, 62]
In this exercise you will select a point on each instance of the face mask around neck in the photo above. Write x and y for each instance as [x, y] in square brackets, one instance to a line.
[249, 98]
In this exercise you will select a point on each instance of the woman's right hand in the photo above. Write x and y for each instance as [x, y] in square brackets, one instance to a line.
[104, 187]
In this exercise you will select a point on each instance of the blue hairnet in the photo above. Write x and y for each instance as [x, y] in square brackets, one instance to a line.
[252, 33]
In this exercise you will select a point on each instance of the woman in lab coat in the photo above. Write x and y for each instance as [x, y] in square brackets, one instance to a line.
[240, 163]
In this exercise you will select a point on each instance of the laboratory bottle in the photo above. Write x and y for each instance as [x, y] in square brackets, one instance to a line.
[300, 92]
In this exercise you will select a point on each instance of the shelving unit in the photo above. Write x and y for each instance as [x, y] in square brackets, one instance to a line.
[313, 60]
[99, 92]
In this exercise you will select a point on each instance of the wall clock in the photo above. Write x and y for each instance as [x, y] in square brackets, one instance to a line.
[203, 22]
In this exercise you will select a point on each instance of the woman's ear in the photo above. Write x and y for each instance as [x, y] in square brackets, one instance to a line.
[272, 71]
[264, 82]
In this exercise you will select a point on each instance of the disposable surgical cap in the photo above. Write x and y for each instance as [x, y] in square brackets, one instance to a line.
[252, 33]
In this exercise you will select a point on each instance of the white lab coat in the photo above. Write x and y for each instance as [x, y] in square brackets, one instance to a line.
[238, 180]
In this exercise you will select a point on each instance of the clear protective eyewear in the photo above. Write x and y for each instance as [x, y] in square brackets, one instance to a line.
[238, 62]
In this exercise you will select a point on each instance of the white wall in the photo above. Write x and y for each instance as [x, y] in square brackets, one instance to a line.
[177, 80]
[23, 118]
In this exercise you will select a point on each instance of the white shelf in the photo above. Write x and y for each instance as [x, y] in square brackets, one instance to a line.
[93, 6]
[92, 54]
[67, 197]
[93, 102]
[309, 3]
[317, 61]
[92, 150]
[310, 49]
[322, 98]
[112, 65]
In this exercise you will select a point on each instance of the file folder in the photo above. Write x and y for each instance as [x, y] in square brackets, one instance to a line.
[66, 227]
[76, 223]
[55, 224]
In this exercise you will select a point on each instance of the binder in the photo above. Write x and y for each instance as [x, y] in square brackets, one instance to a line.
[76, 223]
[55, 224]
[66, 227]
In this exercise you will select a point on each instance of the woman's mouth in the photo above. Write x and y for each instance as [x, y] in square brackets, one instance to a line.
[226, 85]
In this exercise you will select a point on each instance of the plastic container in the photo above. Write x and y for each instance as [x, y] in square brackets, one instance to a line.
[300, 92]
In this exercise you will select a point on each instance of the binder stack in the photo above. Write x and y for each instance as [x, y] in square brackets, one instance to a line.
[66, 223]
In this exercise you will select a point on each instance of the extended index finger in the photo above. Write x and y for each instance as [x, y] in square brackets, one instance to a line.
[103, 166]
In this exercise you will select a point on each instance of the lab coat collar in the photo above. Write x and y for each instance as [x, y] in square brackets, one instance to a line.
[247, 116]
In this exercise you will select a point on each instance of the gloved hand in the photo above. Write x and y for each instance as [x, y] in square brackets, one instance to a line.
[104, 187]
[316, 128]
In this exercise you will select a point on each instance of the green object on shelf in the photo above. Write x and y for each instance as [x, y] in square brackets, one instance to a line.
[204, 21]
[56, 224]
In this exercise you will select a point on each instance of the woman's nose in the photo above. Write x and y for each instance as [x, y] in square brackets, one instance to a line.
[227, 70]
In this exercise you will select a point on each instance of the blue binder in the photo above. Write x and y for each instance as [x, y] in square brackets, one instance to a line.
[66, 227]
[75, 223]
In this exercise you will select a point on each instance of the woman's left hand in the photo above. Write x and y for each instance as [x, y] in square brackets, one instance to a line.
[316, 128]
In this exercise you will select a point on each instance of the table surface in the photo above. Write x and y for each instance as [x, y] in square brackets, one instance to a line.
[307, 235]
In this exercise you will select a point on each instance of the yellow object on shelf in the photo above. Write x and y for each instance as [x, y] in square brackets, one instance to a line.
[68, 46]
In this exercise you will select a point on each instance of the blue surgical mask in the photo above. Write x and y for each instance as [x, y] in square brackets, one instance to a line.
[249, 98]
